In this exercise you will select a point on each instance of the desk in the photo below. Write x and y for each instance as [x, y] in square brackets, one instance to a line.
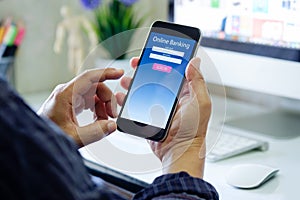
[282, 154]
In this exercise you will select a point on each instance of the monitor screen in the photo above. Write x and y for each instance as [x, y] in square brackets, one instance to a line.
[260, 27]
[254, 44]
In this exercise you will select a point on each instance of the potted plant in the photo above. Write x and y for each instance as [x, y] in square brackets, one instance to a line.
[111, 18]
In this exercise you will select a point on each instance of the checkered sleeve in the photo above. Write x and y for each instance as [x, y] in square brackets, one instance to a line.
[178, 186]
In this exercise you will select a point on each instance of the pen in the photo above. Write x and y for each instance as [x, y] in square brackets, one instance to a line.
[20, 36]
[3, 28]
[11, 50]
[8, 39]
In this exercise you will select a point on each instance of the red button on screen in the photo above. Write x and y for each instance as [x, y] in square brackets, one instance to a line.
[162, 68]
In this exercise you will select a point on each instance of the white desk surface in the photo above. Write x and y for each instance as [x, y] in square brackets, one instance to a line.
[282, 154]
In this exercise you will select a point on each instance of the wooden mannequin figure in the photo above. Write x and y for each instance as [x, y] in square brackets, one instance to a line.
[74, 25]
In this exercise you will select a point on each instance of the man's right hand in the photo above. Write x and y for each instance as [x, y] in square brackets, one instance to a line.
[184, 147]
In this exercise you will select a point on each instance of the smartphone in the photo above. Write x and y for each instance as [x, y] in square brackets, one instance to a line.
[153, 94]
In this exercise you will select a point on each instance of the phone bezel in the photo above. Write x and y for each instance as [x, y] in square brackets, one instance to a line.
[144, 130]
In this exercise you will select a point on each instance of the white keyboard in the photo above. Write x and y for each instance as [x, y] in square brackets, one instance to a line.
[230, 144]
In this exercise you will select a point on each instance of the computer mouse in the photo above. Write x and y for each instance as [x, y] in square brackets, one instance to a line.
[247, 176]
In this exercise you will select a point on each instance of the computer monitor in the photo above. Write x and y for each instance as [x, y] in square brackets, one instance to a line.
[255, 46]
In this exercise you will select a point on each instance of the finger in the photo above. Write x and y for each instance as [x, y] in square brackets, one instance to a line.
[100, 93]
[111, 107]
[89, 101]
[193, 68]
[125, 82]
[120, 97]
[84, 82]
[96, 131]
[100, 111]
[84, 101]
[105, 95]
[100, 75]
[194, 76]
[185, 90]
[134, 62]
[103, 92]
[97, 92]
[197, 83]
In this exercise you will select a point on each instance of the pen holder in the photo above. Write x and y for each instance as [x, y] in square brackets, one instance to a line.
[7, 69]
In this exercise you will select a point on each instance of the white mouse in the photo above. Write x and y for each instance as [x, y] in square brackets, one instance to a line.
[249, 176]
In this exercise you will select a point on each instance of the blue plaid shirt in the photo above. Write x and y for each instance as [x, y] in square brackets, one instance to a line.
[38, 161]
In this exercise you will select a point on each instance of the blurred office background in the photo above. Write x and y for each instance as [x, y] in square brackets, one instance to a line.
[37, 67]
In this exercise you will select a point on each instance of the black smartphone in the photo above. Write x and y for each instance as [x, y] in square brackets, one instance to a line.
[153, 94]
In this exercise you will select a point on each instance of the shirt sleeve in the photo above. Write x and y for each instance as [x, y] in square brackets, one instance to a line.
[38, 160]
[178, 186]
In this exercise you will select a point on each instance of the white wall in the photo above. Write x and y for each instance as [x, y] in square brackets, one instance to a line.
[37, 67]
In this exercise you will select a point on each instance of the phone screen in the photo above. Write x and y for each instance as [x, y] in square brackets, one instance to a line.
[158, 79]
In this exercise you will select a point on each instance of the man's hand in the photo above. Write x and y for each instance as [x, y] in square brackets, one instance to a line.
[184, 147]
[86, 91]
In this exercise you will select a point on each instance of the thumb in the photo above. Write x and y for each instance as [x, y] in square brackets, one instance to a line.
[195, 79]
[96, 131]
[193, 69]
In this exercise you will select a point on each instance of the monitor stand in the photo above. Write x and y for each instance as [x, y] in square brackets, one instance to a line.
[279, 124]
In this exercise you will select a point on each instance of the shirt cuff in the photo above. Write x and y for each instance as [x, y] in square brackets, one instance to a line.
[178, 183]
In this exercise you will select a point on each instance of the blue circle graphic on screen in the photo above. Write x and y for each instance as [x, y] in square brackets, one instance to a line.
[151, 104]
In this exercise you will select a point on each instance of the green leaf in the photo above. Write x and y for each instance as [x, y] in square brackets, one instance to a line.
[113, 18]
